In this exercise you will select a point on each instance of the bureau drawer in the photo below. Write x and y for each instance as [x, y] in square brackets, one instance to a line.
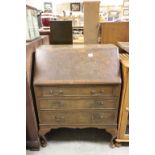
[78, 103]
[77, 90]
[78, 117]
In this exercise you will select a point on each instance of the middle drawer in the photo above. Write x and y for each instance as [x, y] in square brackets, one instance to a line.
[78, 103]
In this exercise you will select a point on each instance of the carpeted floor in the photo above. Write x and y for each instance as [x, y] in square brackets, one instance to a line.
[79, 142]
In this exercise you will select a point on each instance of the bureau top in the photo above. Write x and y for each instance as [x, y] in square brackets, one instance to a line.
[77, 64]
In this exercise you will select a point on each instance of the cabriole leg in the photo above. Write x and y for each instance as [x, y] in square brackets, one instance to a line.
[42, 132]
[113, 132]
[43, 141]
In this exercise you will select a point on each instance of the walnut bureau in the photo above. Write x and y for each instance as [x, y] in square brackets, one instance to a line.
[77, 86]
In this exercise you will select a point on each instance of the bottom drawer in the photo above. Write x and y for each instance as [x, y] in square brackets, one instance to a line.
[106, 117]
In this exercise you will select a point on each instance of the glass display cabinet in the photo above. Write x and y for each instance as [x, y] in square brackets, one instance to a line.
[32, 27]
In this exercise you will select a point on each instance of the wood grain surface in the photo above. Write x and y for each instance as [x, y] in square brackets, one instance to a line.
[77, 65]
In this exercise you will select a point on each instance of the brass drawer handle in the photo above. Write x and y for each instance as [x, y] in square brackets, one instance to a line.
[93, 92]
[56, 93]
[99, 93]
[60, 92]
[51, 92]
[99, 102]
[59, 118]
[99, 117]
[57, 103]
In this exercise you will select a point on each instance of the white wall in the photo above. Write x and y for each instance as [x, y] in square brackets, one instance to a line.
[36, 3]
[112, 2]
[58, 5]
[39, 4]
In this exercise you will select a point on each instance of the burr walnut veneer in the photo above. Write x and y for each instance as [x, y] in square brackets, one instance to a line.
[77, 87]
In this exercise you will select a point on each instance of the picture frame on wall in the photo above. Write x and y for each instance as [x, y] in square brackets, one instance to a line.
[113, 15]
[126, 3]
[47, 7]
[126, 12]
[75, 6]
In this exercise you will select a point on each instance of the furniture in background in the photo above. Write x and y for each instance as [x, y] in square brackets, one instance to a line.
[61, 32]
[77, 86]
[113, 32]
[123, 124]
[32, 138]
[91, 18]
[32, 27]
[123, 47]
[30, 48]
[46, 17]
[45, 32]
[77, 32]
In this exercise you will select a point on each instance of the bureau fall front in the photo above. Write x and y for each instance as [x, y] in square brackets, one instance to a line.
[77, 86]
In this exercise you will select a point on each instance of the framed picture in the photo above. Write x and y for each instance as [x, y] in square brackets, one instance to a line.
[47, 7]
[126, 12]
[113, 15]
[75, 6]
[126, 3]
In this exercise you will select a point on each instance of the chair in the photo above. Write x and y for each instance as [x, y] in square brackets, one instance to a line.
[61, 32]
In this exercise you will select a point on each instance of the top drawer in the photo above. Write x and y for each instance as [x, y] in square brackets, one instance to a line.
[76, 90]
